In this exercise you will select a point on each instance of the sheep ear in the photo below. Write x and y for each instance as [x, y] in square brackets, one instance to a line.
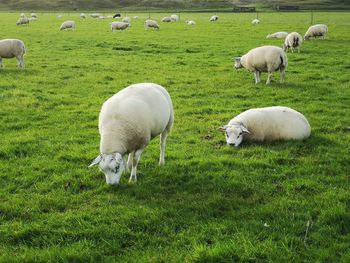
[96, 161]
[244, 129]
[223, 128]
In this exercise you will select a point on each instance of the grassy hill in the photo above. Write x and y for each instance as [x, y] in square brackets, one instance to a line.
[164, 4]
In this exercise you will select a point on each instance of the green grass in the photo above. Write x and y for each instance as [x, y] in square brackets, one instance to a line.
[209, 203]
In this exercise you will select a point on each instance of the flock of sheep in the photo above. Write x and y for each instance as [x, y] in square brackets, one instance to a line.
[131, 118]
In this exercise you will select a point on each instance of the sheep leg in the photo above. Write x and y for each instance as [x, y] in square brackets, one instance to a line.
[269, 77]
[129, 162]
[283, 74]
[20, 62]
[163, 137]
[257, 77]
[135, 161]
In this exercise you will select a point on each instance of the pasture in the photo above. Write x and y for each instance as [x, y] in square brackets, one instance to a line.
[261, 202]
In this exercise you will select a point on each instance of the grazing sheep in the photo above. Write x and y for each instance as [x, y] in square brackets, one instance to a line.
[119, 26]
[101, 17]
[128, 121]
[267, 124]
[264, 59]
[136, 17]
[214, 18]
[34, 15]
[255, 21]
[190, 22]
[95, 15]
[116, 15]
[82, 15]
[277, 35]
[319, 30]
[10, 48]
[166, 19]
[68, 24]
[175, 18]
[151, 23]
[22, 21]
[292, 41]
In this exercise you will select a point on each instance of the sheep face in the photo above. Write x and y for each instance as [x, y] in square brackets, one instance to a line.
[238, 63]
[234, 134]
[112, 165]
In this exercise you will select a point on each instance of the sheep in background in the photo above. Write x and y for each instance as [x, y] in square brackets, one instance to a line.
[82, 15]
[190, 22]
[31, 19]
[319, 30]
[34, 15]
[22, 15]
[151, 23]
[10, 48]
[166, 19]
[126, 20]
[255, 21]
[95, 15]
[136, 17]
[68, 24]
[264, 59]
[22, 21]
[278, 35]
[267, 124]
[213, 18]
[119, 26]
[292, 41]
[128, 121]
[175, 18]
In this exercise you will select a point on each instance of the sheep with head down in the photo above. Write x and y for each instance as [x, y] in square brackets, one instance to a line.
[151, 23]
[278, 35]
[12, 48]
[293, 41]
[69, 24]
[319, 30]
[119, 26]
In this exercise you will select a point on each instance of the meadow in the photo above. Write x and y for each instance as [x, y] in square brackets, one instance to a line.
[281, 201]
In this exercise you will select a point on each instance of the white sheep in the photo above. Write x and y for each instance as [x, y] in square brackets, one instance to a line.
[95, 15]
[136, 17]
[82, 15]
[128, 121]
[319, 30]
[174, 18]
[213, 18]
[255, 21]
[166, 19]
[267, 124]
[151, 23]
[10, 48]
[68, 24]
[34, 15]
[22, 15]
[190, 22]
[277, 35]
[292, 41]
[264, 59]
[119, 26]
[22, 21]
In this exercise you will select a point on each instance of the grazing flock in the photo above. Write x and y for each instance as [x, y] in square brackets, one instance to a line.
[131, 118]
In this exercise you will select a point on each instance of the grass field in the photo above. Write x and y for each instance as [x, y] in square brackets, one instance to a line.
[262, 202]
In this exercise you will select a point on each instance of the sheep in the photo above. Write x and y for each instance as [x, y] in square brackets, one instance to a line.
[213, 18]
[34, 15]
[264, 59]
[255, 21]
[277, 35]
[319, 30]
[82, 15]
[22, 21]
[116, 15]
[292, 41]
[119, 26]
[10, 48]
[95, 15]
[31, 19]
[166, 19]
[68, 24]
[266, 124]
[22, 15]
[151, 23]
[175, 18]
[128, 121]
[190, 22]
[101, 17]
[136, 17]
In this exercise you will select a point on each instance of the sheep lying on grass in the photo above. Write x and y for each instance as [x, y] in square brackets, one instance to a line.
[151, 23]
[22, 21]
[264, 59]
[128, 121]
[119, 26]
[267, 124]
[68, 24]
[10, 48]
[278, 35]
[319, 30]
[292, 41]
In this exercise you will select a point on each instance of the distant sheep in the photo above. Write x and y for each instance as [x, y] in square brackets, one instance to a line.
[116, 15]
[119, 26]
[264, 59]
[82, 15]
[31, 19]
[213, 18]
[292, 41]
[278, 35]
[10, 48]
[128, 121]
[175, 18]
[127, 20]
[95, 15]
[69, 24]
[34, 15]
[190, 22]
[319, 30]
[23, 21]
[166, 19]
[151, 23]
[136, 17]
[267, 124]
[255, 21]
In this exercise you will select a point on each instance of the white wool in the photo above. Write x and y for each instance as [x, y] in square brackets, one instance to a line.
[10, 48]
[264, 59]
[119, 26]
[277, 35]
[174, 18]
[151, 23]
[166, 19]
[255, 21]
[270, 123]
[82, 15]
[34, 15]
[213, 18]
[190, 22]
[23, 21]
[293, 40]
[319, 30]
[68, 24]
